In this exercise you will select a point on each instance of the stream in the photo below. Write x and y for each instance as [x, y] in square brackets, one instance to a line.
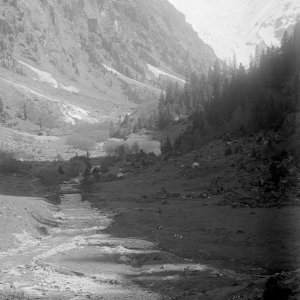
[78, 260]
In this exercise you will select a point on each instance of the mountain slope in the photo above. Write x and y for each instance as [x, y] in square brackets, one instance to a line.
[93, 54]
[236, 26]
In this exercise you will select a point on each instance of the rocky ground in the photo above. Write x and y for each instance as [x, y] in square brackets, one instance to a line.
[222, 205]
[212, 224]
[32, 147]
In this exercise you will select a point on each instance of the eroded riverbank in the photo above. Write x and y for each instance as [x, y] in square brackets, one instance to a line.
[76, 259]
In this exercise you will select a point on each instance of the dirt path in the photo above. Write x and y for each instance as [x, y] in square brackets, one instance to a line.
[78, 260]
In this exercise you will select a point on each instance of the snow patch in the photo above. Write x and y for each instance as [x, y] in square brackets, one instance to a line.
[157, 72]
[70, 89]
[109, 69]
[71, 112]
[49, 79]
[43, 76]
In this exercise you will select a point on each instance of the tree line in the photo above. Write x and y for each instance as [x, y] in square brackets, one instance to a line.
[233, 98]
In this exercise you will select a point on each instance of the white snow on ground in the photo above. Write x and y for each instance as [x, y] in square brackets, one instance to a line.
[157, 72]
[43, 76]
[49, 79]
[70, 111]
[127, 79]
[73, 112]
[70, 89]
[109, 69]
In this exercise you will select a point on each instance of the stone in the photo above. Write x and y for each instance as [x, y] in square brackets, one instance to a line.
[195, 165]
[124, 259]
[120, 175]
[235, 205]
[204, 195]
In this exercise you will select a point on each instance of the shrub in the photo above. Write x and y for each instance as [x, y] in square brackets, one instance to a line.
[97, 132]
[1, 105]
[111, 146]
[167, 147]
[148, 146]
[56, 172]
[49, 175]
[135, 149]
[122, 151]
[81, 142]
[9, 164]
[75, 168]
[106, 162]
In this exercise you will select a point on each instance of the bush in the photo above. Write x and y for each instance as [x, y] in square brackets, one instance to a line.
[96, 132]
[106, 162]
[135, 149]
[49, 175]
[1, 105]
[167, 147]
[122, 151]
[56, 172]
[9, 164]
[111, 146]
[81, 142]
[120, 132]
[75, 168]
[148, 146]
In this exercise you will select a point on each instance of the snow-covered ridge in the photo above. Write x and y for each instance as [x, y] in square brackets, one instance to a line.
[158, 72]
[236, 26]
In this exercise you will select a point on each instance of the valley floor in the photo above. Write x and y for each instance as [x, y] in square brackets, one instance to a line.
[175, 204]
[164, 231]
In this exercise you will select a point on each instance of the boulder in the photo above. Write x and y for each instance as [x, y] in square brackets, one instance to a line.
[195, 165]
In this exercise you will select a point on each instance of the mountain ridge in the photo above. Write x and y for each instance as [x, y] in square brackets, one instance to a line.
[236, 27]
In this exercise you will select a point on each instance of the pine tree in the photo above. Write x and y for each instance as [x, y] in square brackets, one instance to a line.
[167, 147]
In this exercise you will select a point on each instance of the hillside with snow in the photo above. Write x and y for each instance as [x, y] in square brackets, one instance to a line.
[236, 27]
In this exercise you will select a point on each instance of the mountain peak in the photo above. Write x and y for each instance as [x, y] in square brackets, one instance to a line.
[236, 27]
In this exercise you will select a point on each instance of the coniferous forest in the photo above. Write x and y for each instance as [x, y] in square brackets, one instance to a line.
[231, 98]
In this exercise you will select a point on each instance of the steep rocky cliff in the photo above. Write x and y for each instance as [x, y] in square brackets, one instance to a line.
[92, 59]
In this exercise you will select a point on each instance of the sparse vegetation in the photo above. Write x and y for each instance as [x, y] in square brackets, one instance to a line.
[81, 142]
[86, 136]
[111, 146]
[49, 175]
[9, 164]
[106, 162]
[97, 132]
[56, 172]
[1, 105]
